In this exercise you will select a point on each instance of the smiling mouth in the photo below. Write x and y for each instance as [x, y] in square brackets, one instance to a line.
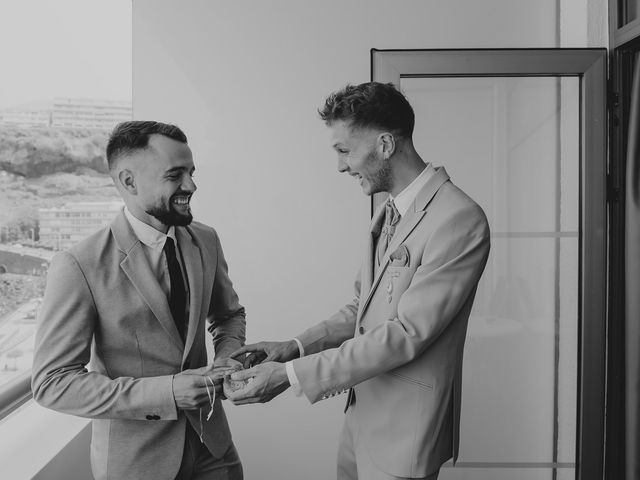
[181, 200]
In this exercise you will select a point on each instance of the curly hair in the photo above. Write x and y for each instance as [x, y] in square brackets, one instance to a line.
[130, 136]
[371, 104]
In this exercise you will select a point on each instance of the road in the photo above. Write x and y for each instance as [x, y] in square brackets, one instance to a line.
[24, 250]
[17, 331]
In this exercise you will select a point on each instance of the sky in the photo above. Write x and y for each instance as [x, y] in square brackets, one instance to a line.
[64, 48]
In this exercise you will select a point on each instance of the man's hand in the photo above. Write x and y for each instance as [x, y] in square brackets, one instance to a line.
[227, 363]
[267, 381]
[190, 388]
[268, 352]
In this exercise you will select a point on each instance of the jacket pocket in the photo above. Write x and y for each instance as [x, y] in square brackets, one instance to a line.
[423, 385]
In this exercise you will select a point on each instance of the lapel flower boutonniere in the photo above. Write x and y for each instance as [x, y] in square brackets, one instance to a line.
[400, 257]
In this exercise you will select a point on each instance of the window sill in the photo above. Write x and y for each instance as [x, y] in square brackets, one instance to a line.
[32, 436]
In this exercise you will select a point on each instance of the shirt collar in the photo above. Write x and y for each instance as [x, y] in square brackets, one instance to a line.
[147, 234]
[406, 197]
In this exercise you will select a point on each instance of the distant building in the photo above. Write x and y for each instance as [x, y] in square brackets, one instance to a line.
[79, 113]
[62, 227]
[26, 117]
[89, 113]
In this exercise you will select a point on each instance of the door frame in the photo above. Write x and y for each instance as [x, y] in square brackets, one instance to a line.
[590, 66]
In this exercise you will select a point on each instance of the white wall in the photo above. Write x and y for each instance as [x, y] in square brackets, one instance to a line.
[244, 80]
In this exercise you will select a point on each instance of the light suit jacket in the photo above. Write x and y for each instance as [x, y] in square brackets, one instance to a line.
[104, 305]
[399, 343]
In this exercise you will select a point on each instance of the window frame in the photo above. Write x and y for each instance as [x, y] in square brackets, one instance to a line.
[620, 35]
[15, 393]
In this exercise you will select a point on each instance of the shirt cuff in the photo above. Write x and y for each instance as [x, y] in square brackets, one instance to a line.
[300, 348]
[293, 379]
[291, 374]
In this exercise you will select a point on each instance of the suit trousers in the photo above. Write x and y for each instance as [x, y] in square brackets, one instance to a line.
[199, 464]
[354, 461]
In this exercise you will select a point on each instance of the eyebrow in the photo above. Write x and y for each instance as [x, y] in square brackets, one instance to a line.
[178, 169]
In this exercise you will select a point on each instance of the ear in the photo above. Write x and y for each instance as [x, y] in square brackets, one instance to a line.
[387, 143]
[127, 181]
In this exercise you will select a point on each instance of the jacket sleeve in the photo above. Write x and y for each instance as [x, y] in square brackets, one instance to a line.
[226, 316]
[452, 263]
[60, 378]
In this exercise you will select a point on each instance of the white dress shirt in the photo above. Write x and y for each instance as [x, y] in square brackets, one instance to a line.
[153, 243]
[406, 197]
[402, 202]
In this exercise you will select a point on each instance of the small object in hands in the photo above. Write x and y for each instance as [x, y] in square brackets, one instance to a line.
[218, 373]
[254, 359]
[229, 385]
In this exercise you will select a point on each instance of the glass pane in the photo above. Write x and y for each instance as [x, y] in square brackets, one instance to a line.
[627, 11]
[59, 98]
[512, 143]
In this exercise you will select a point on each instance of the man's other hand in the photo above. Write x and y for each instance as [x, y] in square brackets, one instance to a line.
[262, 352]
[190, 388]
[266, 381]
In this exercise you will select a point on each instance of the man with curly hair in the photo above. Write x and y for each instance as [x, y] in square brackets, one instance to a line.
[397, 347]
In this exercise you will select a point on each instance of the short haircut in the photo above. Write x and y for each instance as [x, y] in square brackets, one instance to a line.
[370, 104]
[130, 136]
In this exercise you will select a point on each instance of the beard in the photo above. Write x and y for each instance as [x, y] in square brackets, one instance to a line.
[381, 179]
[169, 216]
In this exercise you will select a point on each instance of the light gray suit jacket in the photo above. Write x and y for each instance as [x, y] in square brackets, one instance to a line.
[399, 344]
[104, 305]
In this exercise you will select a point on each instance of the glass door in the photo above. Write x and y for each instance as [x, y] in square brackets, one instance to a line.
[523, 133]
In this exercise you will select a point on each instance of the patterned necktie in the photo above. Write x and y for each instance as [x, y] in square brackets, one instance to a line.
[391, 219]
[178, 295]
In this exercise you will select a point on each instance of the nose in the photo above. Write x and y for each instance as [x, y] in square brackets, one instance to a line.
[188, 184]
[342, 165]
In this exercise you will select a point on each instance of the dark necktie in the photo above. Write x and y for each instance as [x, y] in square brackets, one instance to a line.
[178, 295]
[391, 219]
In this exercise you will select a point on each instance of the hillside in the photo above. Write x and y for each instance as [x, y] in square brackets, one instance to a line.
[35, 152]
[49, 168]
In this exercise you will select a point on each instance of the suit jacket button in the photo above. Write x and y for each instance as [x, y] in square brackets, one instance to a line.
[149, 417]
[361, 329]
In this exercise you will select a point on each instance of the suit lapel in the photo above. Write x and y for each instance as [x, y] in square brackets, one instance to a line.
[193, 265]
[136, 266]
[407, 224]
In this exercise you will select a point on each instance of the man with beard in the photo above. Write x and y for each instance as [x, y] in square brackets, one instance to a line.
[132, 300]
[397, 347]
